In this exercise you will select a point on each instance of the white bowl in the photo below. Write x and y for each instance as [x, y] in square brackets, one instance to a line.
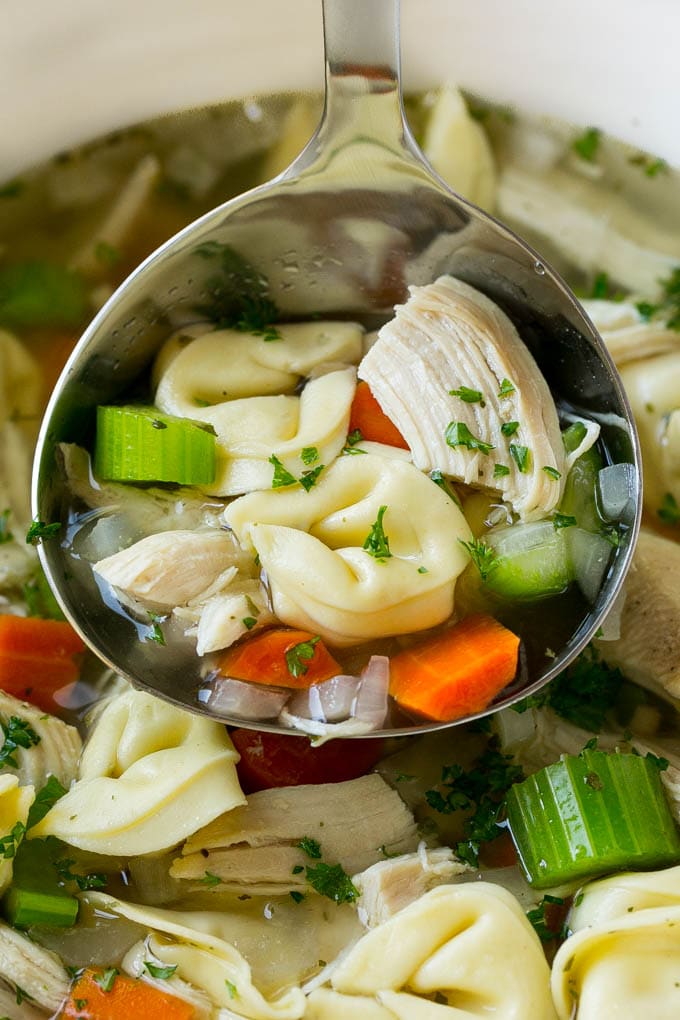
[77, 68]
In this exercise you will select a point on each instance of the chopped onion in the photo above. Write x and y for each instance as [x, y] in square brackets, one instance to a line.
[331, 701]
[228, 696]
[371, 702]
[617, 486]
[363, 701]
[589, 556]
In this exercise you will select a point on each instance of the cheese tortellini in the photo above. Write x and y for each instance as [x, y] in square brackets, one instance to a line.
[15, 803]
[624, 958]
[470, 945]
[312, 547]
[150, 775]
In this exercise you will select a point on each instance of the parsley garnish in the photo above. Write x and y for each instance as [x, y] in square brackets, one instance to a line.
[155, 632]
[309, 478]
[40, 600]
[669, 511]
[79, 1003]
[296, 897]
[210, 880]
[160, 972]
[249, 622]
[521, 456]
[500, 470]
[669, 304]
[509, 428]
[482, 555]
[423, 570]
[299, 655]
[9, 844]
[444, 484]
[332, 881]
[354, 437]
[231, 989]
[45, 800]
[458, 434]
[95, 880]
[282, 476]
[351, 450]
[507, 388]
[573, 436]
[18, 733]
[5, 534]
[587, 144]
[106, 979]
[651, 165]
[562, 520]
[21, 995]
[377, 543]
[310, 847]
[468, 395]
[309, 454]
[39, 530]
[552, 472]
[544, 925]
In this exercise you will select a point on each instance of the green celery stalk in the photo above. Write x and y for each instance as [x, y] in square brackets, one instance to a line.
[25, 907]
[590, 814]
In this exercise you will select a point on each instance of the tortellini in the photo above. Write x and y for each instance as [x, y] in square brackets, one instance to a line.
[15, 802]
[196, 943]
[470, 945]
[151, 775]
[624, 958]
[312, 547]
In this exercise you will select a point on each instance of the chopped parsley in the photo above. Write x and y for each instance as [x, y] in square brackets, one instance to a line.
[22, 995]
[249, 622]
[9, 844]
[544, 921]
[39, 530]
[500, 470]
[444, 484]
[160, 972]
[106, 979]
[354, 437]
[299, 655]
[458, 434]
[587, 144]
[482, 555]
[562, 521]
[310, 847]
[332, 881]
[377, 543]
[507, 388]
[210, 880]
[468, 395]
[155, 632]
[552, 472]
[423, 570]
[5, 534]
[232, 990]
[651, 166]
[282, 476]
[39, 293]
[508, 428]
[351, 450]
[669, 511]
[94, 880]
[296, 897]
[669, 305]
[39, 599]
[573, 436]
[309, 478]
[521, 456]
[44, 801]
[18, 733]
[309, 454]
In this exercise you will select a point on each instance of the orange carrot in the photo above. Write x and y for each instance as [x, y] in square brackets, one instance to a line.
[127, 999]
[281, 657]
[457, 673]
[37, 657]
[367, 415]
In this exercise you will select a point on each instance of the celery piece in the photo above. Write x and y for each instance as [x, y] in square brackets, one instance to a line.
[531, 561]
[578, 499]
[26, 907]
[139, 444]
[573, 436]
[590, 814]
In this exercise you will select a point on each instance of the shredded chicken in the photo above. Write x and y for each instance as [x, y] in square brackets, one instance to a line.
[255, 847]
[56, 753]
[448, 337]
[389, 886]
[36, 971]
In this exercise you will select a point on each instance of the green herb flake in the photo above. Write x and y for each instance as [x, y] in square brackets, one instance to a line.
[354, 437]
[377, 544]
[507, 388]
[482, 555]
[299, 655]
[669, 511]
[296, 897]
[309, 454]
[44, 801]
[543, 921]
[669, 305]
[9, 844]
[500, 470]
[468, 395]
[458, 434]
[22, 995]
[423, 570]
[37, 293]
[444, 484]
[106, 979]
[94, 880]
[521, 456]
[232, 990]
[210, 880]
[309, 478]
[349, 451]
[18, 733]
[573, 436]
[249, 622]
[651, 166]
[39, 530]
[163, 973]
[587, 145]
[585, 692]
[282, 476]
[660, 763]
[297, 870]
[80, 1003]
[155, 632]
[253, 608]
[5, 534]
[332, 881]
[552, 472]
[562, 521]
[310, 847]
[508, 428]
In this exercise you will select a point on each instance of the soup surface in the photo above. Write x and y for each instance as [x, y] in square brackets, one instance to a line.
[152, 868]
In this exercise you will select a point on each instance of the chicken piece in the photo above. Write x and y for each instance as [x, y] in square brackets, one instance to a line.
[37, 972]
[389, 886]
[627, 335]
[56, 753]
[255, 847]
[171, 568]
[450, 337]
[648, 651]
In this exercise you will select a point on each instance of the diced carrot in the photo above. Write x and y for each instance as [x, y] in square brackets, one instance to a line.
[457, 673]
[280, 657]
[128, 999]
[367, 415]
[37, 658]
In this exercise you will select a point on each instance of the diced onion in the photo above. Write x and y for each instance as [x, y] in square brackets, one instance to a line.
[227, 696]
[617, 485]
[589, 555]
[331, 701]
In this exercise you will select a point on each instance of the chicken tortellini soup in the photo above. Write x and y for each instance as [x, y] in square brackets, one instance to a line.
[351, 530]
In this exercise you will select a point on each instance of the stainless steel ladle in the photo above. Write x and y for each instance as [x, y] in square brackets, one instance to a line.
[355, 219]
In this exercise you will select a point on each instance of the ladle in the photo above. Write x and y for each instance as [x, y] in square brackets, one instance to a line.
[355, 219]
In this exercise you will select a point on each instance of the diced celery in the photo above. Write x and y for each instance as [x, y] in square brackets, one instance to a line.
[578, 499]
[586, 815]
[25, 907]
[532, 561]
[139, 444]
[573, 436]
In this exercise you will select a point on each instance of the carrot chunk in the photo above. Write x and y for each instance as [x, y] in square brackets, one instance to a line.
[126, 999]
[367, 416]
[37, 657]
[457, 673]
[280, 657]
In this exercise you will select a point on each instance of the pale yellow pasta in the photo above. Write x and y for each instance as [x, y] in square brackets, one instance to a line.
[15, 802]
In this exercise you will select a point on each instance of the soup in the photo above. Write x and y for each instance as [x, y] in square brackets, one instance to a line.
[154, 882]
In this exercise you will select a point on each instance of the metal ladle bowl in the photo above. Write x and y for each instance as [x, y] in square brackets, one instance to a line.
[356, 219]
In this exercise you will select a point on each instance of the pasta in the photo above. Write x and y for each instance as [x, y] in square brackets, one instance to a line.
[15, 802]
